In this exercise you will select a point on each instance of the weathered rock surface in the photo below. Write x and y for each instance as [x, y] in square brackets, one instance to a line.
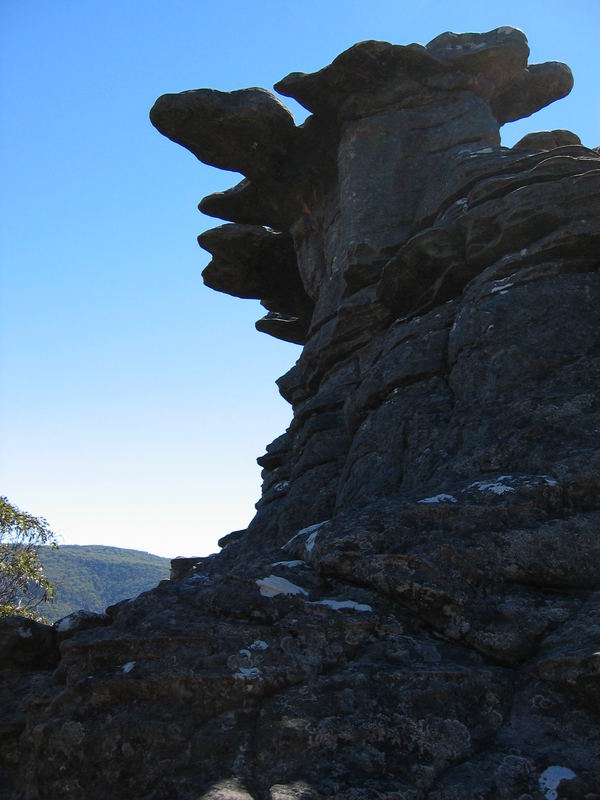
[413, 612]
[253, 261]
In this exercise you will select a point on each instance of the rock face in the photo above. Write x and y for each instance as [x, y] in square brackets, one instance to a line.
[413, 612]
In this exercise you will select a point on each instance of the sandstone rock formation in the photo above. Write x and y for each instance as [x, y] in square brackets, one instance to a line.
[413, 612]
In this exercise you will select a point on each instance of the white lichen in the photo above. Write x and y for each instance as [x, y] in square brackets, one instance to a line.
[548, 480]
[68, 622]
[310, 542]
[483, 150]
[273, 585]
[550, 779]
[438, 498]
[340, 605]
[496, 487]
[503, 288]
[247, 673]
[259, 644]
[75, 618]
[309, 531]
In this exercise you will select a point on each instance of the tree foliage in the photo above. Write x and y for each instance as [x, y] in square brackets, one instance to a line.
[23, 584]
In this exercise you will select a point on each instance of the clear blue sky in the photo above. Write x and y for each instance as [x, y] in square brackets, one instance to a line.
[134, 400]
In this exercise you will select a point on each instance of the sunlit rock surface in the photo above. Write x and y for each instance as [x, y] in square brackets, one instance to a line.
[413, 612]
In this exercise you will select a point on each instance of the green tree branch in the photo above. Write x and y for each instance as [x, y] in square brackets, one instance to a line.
[23, 584]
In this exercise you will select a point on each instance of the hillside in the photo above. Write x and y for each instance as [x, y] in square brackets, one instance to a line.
[93, 577]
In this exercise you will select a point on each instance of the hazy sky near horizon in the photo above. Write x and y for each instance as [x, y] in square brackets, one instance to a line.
[135, 400]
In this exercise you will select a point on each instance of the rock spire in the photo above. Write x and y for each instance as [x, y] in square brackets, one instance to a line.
[412, 614]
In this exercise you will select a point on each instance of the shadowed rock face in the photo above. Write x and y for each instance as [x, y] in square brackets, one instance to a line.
[413, 612]
[365, 171]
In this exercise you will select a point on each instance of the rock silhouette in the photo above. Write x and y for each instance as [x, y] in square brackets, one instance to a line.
[413, 612]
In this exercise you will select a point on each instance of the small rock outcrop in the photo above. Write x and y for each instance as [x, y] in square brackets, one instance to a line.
[412, 614]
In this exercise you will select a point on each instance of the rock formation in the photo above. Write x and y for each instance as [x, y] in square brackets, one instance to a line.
[413, 612]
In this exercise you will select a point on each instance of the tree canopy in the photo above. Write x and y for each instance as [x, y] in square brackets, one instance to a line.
[23, 584]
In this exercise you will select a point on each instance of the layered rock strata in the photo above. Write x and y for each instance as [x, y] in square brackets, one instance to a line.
[412, 613]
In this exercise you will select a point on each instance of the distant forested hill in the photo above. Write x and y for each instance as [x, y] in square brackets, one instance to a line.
[93, 577]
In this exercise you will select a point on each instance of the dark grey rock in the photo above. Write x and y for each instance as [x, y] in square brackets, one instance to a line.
[246, 131]
[371, 75]
[547, 140]
[26, 643]
[181, 567]
[229, 538]
[244, 204]
[412, 613]
[255, 262]
[81, 620]
[283, 326]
